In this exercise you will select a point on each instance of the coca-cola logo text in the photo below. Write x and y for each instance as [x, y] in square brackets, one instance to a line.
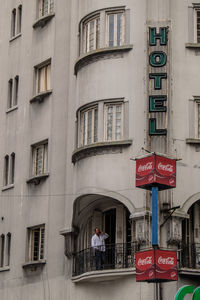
[168, 167]
[145, 261]
[166, 260]
[147, 166]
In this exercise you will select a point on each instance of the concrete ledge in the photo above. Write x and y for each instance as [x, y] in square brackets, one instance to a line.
[192, 141]
[12, 108]
[103, 275]
[41, 22]
[3, 269]
[89, 56]
[36, 179]
[15, 37]
[193, 45]
[8, 187]
[36, 263]
[99, 149]
[40, 96]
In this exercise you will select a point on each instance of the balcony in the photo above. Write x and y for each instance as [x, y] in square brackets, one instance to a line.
[189, 259]
[119, 260]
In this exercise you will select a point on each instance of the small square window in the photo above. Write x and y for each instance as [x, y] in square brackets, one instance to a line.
[36, 243]
[43, 78]
[40, 159]
[113, 122]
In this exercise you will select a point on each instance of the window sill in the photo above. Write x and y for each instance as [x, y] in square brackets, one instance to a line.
[192, 141]
[98, 53]
[40, 96]
[15, 37]
[99, 149]
[8, 187]
[41, 22]
[12, 108]
[3, 269]
[192, 45]
[34, 264]
[36, 179]
[104, 275]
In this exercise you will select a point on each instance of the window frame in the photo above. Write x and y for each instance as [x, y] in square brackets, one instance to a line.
[44, 146]
[102, 15]
[47, 77]
[83, 131]
[86, 37]
[114, 104]
[115, 13]
[50, 9]
[31, 243]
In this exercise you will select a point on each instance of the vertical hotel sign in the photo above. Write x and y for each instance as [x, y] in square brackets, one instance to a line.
[158, 80]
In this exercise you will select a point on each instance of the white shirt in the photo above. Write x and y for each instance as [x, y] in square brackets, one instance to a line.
[98, 242]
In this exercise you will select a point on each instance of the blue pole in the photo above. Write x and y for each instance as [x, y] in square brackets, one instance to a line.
[154, 216]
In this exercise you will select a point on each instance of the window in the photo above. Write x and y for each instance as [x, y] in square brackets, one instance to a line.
[40, 159]
[16, 21]
[45, 7]
[5, 247]
[91, 34]
[103, 29]
[13, 23]
[113, 122]
[2, 250]
[89, 126]
[36, 243]
[13, 87]
[8, 248]
[9, 170]
[43, 78]
[6, 170]
[115, 29]
[19, 19]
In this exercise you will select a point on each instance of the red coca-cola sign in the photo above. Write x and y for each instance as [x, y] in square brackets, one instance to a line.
[156, 265]
[156, 170]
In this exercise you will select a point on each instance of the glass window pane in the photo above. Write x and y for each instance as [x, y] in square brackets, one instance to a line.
[111, 30]
[44, 7]
[109, 123]
[89, 128]
[95, 125]
[119, 29]
[198, 120]
[51, 6]
[97, 33]
[91, 36]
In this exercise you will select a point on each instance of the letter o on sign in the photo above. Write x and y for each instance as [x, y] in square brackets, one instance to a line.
[158, 59]
[188, 289]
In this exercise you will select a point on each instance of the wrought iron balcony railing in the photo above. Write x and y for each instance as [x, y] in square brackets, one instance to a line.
[116, 256]
[190, 256]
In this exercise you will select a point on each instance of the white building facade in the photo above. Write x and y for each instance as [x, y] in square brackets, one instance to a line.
[86, 87]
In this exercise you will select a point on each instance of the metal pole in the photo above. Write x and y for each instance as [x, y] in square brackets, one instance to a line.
[155, 228]
[154, 216]
[156, 286]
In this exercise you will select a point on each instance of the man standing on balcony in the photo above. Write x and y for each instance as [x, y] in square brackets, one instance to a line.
[98, 244]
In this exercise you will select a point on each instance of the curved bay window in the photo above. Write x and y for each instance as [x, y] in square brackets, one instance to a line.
[103, 29]
[112, 218]
[190, 248]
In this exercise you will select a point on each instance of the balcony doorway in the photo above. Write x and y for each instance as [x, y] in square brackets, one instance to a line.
[110, 229]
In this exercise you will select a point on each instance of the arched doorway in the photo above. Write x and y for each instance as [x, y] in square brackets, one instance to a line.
[190, 257]
[112, 217]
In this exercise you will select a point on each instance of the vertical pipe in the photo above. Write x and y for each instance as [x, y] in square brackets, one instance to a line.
[154, 216]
